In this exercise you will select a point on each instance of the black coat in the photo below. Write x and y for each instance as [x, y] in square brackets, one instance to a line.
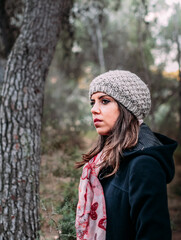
[136, 196]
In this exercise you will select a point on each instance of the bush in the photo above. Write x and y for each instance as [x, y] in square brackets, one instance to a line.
[68, 211]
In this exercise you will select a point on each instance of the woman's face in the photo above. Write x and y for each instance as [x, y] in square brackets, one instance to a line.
[105, 112]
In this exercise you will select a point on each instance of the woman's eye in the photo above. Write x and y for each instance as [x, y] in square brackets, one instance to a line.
[92, 104]
[105, 101]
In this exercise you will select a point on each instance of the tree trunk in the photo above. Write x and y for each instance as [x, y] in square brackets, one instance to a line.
[179, 92]
[177, 38]
[100, 48]
[20, 118]
[179, 131]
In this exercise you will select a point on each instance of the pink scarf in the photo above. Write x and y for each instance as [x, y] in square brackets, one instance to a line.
[91, 209]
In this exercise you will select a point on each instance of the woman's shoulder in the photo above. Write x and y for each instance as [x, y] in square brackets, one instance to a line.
[142, 161]
[145, 165]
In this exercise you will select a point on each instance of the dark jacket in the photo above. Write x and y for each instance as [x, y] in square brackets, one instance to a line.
[136, 196]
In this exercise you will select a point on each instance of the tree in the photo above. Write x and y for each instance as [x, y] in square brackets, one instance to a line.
[91, 14]
[171, 38]
[11, 14]
[20, 116]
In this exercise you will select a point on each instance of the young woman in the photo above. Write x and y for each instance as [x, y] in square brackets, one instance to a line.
[122, 191]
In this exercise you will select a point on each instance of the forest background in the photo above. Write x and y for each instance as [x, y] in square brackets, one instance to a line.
[141, 36]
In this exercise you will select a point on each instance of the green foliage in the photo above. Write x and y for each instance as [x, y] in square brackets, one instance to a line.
[58, 203]
[66, 109]
[164, 104]
[55, 139]
[66, 165]
[68, 210]
[130, 39]
[173, 29]
[64, 212]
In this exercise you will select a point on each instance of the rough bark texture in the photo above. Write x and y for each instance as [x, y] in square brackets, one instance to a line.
[179, 135]
[179, 78]
[20, 118]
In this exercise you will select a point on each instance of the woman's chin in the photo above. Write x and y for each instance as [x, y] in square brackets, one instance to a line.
[102, 133]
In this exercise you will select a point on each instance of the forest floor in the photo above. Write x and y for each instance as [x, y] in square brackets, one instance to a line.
[56, 178]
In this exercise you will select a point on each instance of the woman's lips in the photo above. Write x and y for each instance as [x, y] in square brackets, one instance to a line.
[97, 121]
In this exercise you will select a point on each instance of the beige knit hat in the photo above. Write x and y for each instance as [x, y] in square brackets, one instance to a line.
[125, 87]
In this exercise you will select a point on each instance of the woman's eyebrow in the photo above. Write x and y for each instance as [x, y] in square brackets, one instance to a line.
[105, 95]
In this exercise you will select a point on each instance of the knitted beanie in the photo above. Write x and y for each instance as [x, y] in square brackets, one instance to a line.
[125, 87]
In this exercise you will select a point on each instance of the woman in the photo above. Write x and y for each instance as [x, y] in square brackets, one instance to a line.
[122, 191]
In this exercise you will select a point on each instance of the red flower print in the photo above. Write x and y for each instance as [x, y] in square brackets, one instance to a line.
[102, 223]
[94, 206]
[93, 213]
[86, 172]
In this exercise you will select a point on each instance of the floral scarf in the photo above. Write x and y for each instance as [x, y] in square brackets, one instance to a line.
[91, 209]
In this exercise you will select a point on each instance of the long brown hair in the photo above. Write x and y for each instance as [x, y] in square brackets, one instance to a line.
[124, 135]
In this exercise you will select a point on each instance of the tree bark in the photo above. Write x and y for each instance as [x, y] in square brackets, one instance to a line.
[179, 87]
[177, 40]
[20, 118]
[93, 26]
[100, 47]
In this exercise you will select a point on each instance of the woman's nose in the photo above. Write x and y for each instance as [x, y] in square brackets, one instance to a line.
[95, 109]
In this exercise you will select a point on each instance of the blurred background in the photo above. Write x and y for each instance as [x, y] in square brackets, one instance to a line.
[141, 36]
